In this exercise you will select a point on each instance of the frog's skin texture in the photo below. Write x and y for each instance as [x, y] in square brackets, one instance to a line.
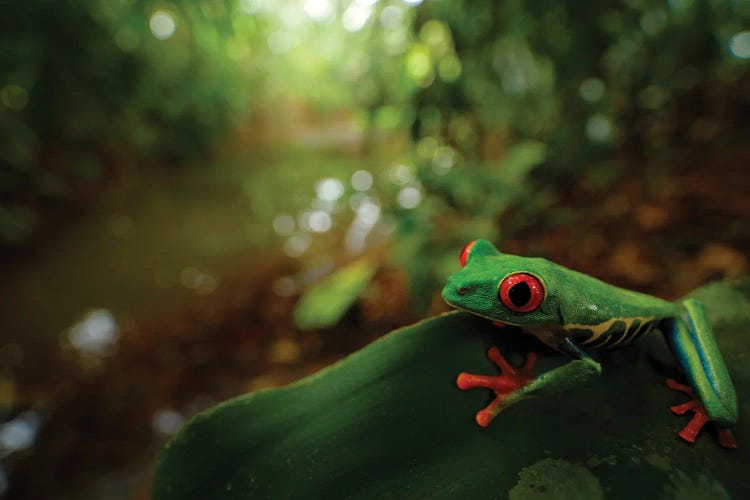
[574, 313]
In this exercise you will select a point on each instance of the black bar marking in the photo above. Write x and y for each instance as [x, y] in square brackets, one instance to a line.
[615, 332]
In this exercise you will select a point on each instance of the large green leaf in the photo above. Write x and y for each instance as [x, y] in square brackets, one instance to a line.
[388, 421]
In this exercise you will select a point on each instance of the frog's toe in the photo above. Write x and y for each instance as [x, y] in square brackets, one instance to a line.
[700, 417]
[504, 385]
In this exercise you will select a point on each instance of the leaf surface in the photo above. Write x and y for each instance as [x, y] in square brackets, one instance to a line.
[388, 421]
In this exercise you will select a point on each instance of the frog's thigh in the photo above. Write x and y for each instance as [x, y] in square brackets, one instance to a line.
[695, 348]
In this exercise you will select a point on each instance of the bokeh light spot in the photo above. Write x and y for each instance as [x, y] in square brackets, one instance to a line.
[280, 42]
[443, 160]
[419, 64]
[361, 180]
[654, 21]
[296, 245]
[437, 35]
[391, 17]
[355, 17]
[409, 197]
[20, 433]
[591, 89]
[401, 174]
[449, 68]
[292, 16]
[16, 436]
[14, 97]
[127, 38]
[319, 10]
[162, 24]
[320, 221]
[739, 45]
[329, 189]
[599, 128]
[283, 224]
[167, 421]
[95, 334]
[369, 211]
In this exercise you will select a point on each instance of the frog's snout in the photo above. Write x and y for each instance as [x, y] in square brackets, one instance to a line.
[447, 293]
[454, 293]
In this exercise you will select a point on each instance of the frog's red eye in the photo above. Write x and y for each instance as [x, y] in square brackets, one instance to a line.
[465, 253]
[521, 292]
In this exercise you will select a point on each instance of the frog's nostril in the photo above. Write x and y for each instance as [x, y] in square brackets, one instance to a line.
[462, 290]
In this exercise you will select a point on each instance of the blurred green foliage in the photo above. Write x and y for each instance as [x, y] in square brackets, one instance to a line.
[88, 83]
[582, 77]
[585, 79]
[85, 84]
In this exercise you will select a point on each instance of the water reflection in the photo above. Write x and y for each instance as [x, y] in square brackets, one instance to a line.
[367, 216]
[198, 281]
[167, 421]
[20, 433]
[329, 189]
[283, 224]
[297, 244]
[320, 221]
[361, 180]
[96, 334]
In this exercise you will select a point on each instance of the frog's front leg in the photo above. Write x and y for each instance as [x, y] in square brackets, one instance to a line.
[714, 398]
[515, 384]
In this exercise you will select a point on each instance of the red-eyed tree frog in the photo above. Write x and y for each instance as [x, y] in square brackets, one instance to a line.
[572, 313]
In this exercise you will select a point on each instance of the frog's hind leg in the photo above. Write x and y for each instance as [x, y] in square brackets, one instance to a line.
[694, 346]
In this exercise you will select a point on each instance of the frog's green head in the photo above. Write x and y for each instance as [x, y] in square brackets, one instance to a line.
[506, 288]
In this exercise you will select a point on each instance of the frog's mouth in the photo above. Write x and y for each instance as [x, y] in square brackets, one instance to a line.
[499, 324]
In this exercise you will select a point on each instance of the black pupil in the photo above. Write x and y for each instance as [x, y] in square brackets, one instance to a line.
[520, 294]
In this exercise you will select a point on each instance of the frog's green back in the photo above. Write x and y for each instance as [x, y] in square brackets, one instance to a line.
[588, 300]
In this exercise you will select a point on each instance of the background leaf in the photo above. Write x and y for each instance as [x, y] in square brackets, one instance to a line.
[326, 302]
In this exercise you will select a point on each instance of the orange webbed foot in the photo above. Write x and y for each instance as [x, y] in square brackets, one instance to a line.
[510, 380]
[690, 432]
